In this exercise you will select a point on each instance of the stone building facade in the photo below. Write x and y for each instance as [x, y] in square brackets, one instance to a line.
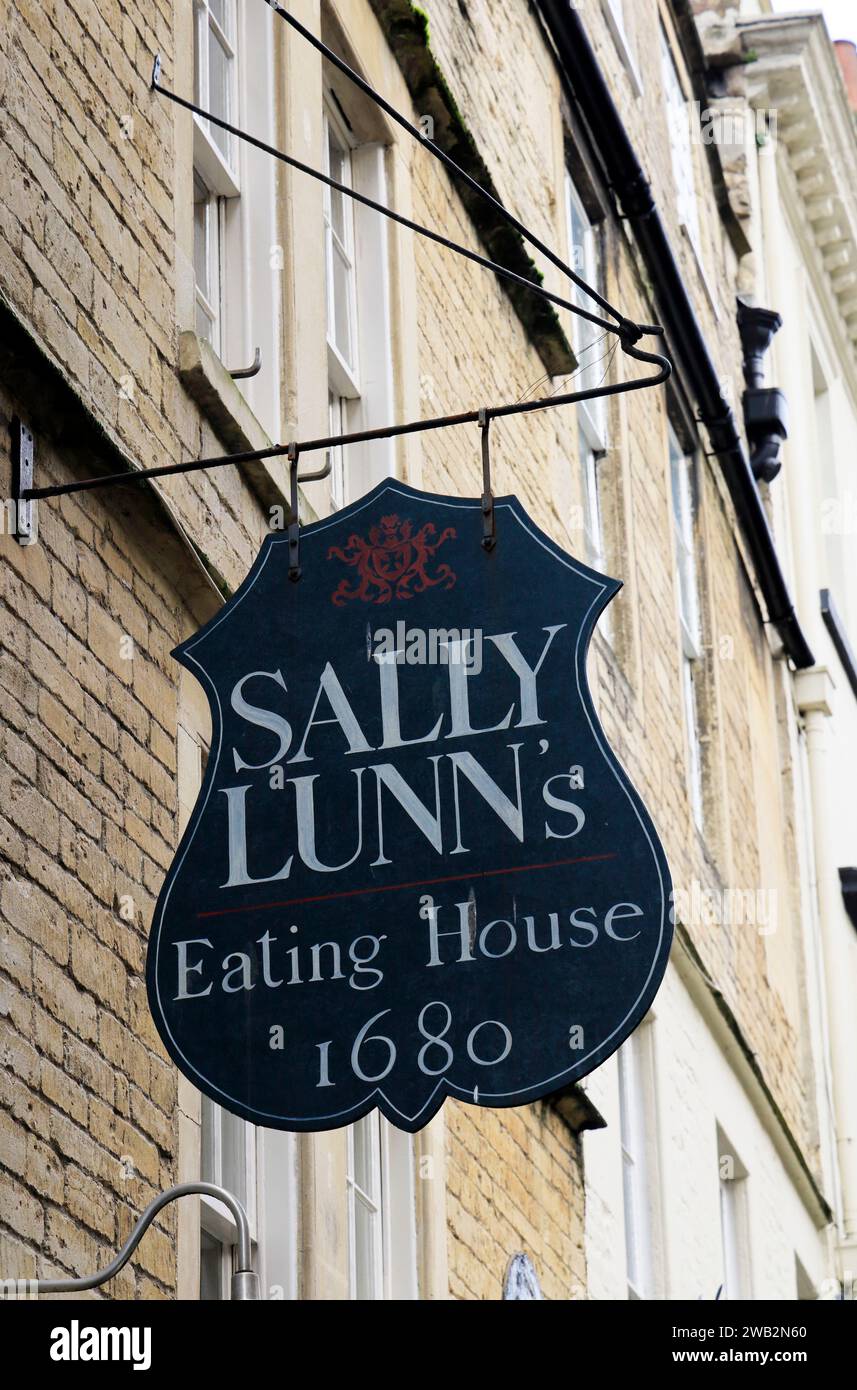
[145, 257]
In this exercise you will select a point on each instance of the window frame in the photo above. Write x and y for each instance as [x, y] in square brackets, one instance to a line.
[364, 388]
[218, 166]
[336, 415]
[208, 305]
[593, 511]
[681, 146]
[371, 1199]
[216, 1220]
[614, 13]
[593, 413]
[214, 169]
[735, 1245]
[637, 1177]
[343, 375]
[683, 512]
[392, 1249]
[592, 416]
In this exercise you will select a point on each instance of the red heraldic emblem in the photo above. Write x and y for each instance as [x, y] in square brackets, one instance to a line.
[392, 563]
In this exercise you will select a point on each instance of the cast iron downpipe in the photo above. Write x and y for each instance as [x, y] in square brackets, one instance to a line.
[591, 95]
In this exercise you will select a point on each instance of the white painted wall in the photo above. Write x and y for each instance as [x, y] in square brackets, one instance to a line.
[696, 1090]
[813, 361]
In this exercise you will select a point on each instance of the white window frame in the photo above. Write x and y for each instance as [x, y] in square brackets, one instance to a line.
[214, 149]
[614, 13]
[389, 1200]
[683, 511]
[734, 1223]
[243, 312]
[337, 417]
[215, 169]
[681, 148]
[344, 375]
[369, 1199]
[209, 300]
[592, 415]
[360, 392]
[730, 1237]
[586, 259]
[591, 458]
[636, 1123]
[216, 1221]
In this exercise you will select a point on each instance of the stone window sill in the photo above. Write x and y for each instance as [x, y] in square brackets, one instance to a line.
[207, 382]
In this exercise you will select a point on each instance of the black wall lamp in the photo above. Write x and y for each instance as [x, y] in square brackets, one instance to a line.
[766, 415]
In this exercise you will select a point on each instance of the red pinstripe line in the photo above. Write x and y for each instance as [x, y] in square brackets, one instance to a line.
[397, 887]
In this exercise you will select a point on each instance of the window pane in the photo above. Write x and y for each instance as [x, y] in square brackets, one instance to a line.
[338, 169]
[234, 1155]
[199, 29]
[341, 289]
[201, 198]
[364, 1205]
[634, 1118]
[578, 237]
[337, 418]
[694, 750]
[204, 324]
[594, 537]
[683, 516]
[364, 1157]
[631, 1241]
[219, 8]
[342, 306]
[587, 342]
[676, 460]
[210, 1269]
[218, 94]
[365, 1272]
[208, 1163]
[206, 260]
[678, 119]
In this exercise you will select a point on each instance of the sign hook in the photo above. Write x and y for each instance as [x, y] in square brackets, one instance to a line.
[293, 455]
[489, 521]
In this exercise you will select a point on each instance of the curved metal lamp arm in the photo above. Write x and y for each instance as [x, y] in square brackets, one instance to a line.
[245, 1281]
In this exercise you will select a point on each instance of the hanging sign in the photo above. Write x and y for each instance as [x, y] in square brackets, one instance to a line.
[415, 868]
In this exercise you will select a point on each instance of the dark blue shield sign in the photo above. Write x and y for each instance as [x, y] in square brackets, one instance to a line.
[415, 868]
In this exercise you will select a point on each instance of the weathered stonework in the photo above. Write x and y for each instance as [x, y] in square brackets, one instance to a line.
[91, 261]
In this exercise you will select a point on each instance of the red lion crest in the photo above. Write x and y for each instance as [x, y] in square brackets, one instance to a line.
[392, 563]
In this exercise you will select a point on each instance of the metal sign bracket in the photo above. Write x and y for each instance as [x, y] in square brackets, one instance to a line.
[295, 519]
[489, 519]
[23, 463]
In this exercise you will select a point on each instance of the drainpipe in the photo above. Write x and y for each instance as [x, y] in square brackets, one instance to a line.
[815, 697]
[589, 91]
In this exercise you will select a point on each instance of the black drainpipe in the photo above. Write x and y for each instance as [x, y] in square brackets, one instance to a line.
[590, 92]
